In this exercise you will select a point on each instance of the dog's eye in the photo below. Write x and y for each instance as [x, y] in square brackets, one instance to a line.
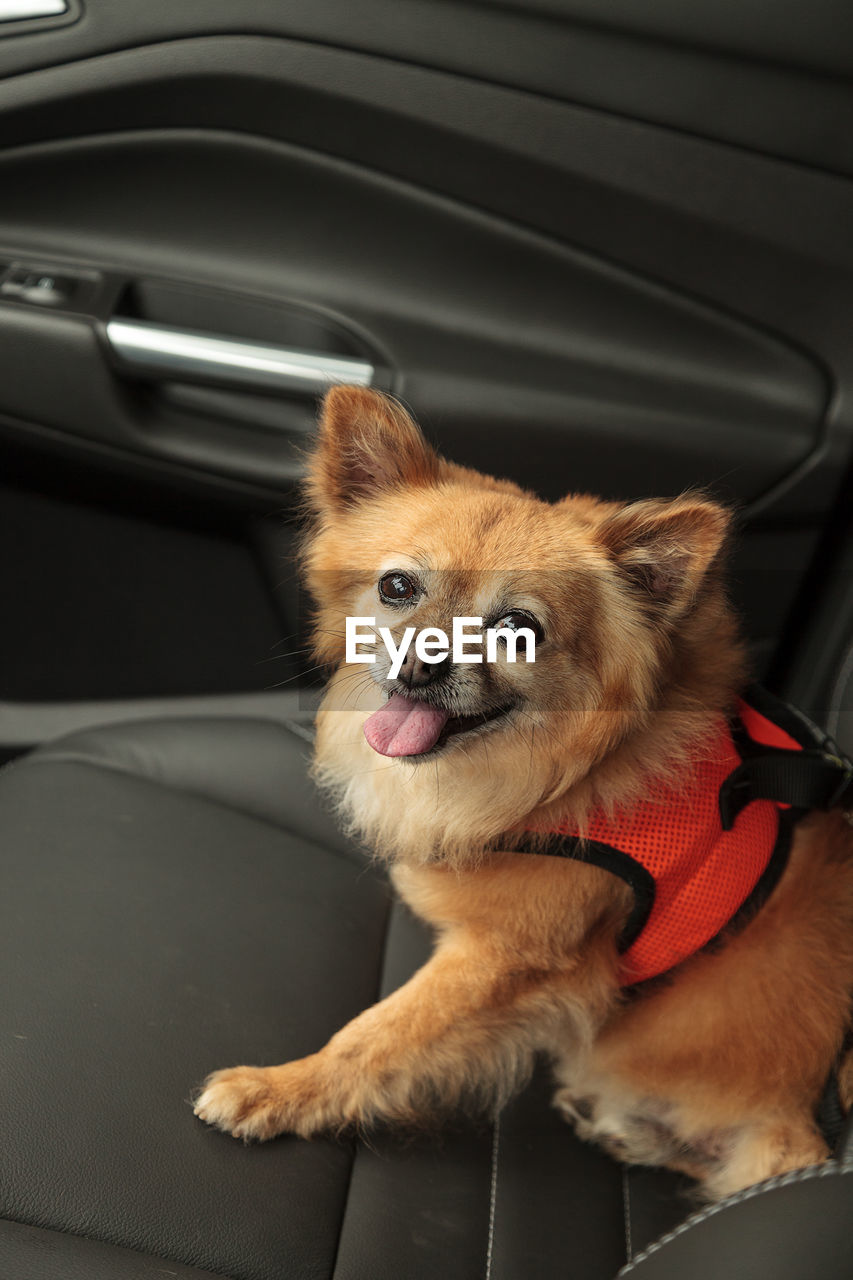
[516, 620]
[395, 586]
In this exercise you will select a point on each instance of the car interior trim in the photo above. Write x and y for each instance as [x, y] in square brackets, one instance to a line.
[22, 724]
[161, 351]
[26, 10]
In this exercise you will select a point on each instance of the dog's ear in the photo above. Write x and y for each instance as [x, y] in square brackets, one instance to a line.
[366, 443]
[665, 548]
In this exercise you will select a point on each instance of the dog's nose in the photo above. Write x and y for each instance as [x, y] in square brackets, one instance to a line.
[415, 672]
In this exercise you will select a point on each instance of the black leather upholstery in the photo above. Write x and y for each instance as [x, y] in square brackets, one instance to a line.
[149, 935]
[29, 1253]
[820, 678]
[175, 899]
[791, 1228]
[840, 713]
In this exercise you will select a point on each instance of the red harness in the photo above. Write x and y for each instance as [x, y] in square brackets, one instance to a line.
[698, 856]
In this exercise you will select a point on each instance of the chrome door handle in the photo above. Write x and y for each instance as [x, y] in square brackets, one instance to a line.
[157, 350]
[25, 10]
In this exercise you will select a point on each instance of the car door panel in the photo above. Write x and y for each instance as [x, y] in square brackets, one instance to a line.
[488, 331]
[563, 286]
[722, 71]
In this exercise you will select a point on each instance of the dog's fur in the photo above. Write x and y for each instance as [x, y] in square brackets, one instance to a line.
[714, 1070]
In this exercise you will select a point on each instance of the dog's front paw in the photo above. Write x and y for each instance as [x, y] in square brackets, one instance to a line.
[252, 1103]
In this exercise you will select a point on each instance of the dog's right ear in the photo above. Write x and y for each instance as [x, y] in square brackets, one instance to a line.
[366, 443]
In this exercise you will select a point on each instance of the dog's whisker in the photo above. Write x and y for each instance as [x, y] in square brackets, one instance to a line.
[279, 657]
[300, 675]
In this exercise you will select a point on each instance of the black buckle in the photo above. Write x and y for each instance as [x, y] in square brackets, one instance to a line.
[802, 779]
[735, 795]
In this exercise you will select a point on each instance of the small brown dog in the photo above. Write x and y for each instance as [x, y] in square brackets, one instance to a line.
[458, 777]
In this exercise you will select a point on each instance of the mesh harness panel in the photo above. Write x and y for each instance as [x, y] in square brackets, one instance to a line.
[690, 876]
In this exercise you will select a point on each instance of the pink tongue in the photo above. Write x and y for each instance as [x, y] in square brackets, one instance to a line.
[403, 727]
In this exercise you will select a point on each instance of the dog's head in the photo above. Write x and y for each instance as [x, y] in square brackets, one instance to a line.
[620, 605]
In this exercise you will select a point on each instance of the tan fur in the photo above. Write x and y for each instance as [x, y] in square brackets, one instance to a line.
[716, 1069]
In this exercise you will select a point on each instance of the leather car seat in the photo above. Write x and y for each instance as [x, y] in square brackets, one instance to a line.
[175, 898]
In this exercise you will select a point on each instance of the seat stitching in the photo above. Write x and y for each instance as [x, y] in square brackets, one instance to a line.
[111, 766]
[357, 1146]
[781, 1180]
[626, 1211]
[493, 1193]
[304, 731]
[193, 1271]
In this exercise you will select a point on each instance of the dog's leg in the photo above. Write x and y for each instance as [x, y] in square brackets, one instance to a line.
[722, 1148]
[764, 1152]
[470, 1019]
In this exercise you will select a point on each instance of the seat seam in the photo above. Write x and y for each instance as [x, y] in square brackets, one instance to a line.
[344, 1208]
[110, 766]
[626, 1213]
[202, 1271]
[748, 1193]
[493, 1194]
[300, 730]
[392, 902]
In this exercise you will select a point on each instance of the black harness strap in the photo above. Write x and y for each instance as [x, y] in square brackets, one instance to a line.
[821, 779]
[818, 776]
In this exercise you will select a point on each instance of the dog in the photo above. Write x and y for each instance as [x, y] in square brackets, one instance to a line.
[462, 775]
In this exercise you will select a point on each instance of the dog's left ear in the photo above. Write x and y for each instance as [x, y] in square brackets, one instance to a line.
[665, 548]
[366, 443]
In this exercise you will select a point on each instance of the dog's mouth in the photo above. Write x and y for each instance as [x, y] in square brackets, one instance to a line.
[409, 727]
